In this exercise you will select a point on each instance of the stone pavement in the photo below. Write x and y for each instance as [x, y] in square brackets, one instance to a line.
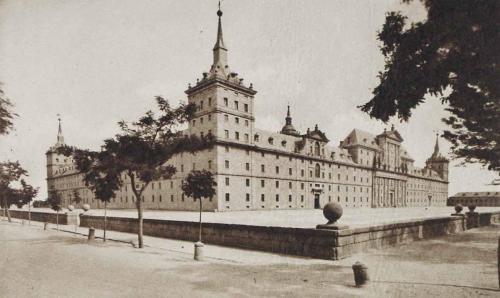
[61, 264]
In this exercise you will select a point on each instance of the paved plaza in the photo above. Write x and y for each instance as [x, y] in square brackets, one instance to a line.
[353, 217]
[61, 264]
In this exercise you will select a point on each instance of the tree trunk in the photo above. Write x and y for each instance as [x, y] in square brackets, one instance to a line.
[29, 213]
[105, 219]
[140, 222]
[199, 236]
[57, 220]
[8, 214]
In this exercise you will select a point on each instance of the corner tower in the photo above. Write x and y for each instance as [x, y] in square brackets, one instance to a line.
[438, 162]
[224, 103]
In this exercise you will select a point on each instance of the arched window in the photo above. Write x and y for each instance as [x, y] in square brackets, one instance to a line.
[316, 149]
[317, 171]
[256, 138]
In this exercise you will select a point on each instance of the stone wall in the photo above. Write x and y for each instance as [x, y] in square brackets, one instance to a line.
[40, 216]
[322, 244]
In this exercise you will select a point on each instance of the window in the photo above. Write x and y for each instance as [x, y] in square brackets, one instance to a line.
[236, 120]
[289, 198]
[302, 198]
[209, 117]
[227, 197]
[290, 171]
[290, 185]
[256, 138]
[247, 166]
[201, 105]
[317, 170]
[227, 181]
[194, 122]
[182, 170]
[160, 198]
[302, 173]
[226, 134]
[246, 138]
[263, 168]
[248, 197]
[302, 186]
[246, 122]
[236, 135]
[277, 198]
[247, 182]
[209, 101]
[277, 184]
[226, 118]
[226, 148]
[262, 183]
[316, 148]
[262, 198]
[209, 164]
[225, 101]
[236, 105]
[226, 164]
[245, 107]
[277, 170]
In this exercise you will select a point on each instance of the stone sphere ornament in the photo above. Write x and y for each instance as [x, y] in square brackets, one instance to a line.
[458, 208]
[472, 208]
[332, 212]
[71, 207]
[86, 207]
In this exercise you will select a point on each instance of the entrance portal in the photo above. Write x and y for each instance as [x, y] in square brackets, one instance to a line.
[316, 201]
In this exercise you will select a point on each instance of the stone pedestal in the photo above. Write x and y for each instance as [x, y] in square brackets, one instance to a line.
[472, 219]
[73, 218]
[458, 214]
[333, 226]
[198, 251]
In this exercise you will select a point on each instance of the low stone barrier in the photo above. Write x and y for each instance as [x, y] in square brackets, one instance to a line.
[39, 216]
[314, 243]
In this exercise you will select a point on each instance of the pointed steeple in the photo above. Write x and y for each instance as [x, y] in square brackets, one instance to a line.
[219, 66]
[60, 137]
[436, 147]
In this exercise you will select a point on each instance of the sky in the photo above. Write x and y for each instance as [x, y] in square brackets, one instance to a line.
[98, 62]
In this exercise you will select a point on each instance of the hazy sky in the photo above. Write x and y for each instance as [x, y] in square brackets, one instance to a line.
[97, 62]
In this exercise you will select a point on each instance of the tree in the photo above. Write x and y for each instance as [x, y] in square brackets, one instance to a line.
[77, 199]
[6, 115]
[453, 54]
[55, 202]
[9, 173]
[199, 185]
[140, 153]
[24, 195]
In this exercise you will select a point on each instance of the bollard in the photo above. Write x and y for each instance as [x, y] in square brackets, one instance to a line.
[91, 234]
[198, 251]
[45, 224]
[360, 274]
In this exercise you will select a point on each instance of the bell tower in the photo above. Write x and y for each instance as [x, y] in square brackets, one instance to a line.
[224, 103]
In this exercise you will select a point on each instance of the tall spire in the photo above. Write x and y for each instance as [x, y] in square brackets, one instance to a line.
[436, 146]
[288, 118]
[60, 137]
[220, 66]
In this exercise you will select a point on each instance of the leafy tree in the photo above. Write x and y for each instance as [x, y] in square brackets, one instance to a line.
[199, 185]
[55, 202]
[9, 173]
[24, 195]
[6, 115]
[454, 54]
[77, 199]
[140, 153]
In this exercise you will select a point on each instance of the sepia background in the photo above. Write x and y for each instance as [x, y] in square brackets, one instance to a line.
[98, 62]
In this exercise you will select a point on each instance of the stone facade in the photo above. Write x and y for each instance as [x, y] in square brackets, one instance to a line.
[484, 198]
[258, 169]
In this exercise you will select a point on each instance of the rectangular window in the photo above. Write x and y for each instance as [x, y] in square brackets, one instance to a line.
[290, 185]
[246, 122]
[225, 101]
[277, 184]
[227, 181]
[247, 166]
[246, 107]
[182, 168]
[201, 105]
[236, 135]
[302, 186]
[171, 198]
[302, 198]
[209, 164]
[236, 105]
[262, 197]
[246, 138]
[302, 173]
[226, 118]
[277, 170]
[289, 198]
[226, 134]
[262, 183]
[277, 198]
[248, 197]
[226, 164]
[263, 168]
[290, 171]
[236, 120]
[209, 117]
[247, 182]
[227, 197]
[210, 101]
